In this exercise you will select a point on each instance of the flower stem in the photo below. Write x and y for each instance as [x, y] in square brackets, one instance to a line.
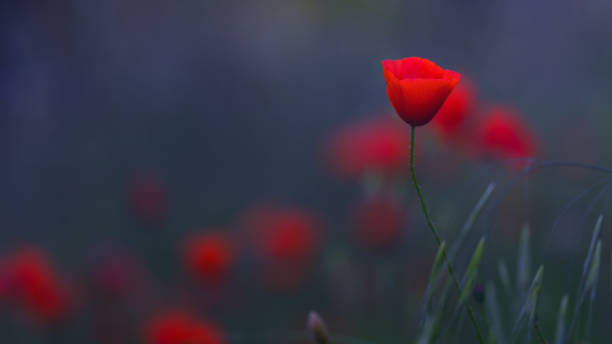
[538, 330]
[433, 230]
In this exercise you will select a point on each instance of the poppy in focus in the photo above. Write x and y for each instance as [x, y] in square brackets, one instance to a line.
[181, 328]
[209, 257]
[380, 145]
[417, 88]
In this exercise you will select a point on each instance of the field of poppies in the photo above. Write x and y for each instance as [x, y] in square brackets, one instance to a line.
[305, 171]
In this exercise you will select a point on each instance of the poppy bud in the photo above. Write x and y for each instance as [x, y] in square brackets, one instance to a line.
[317, 329]
[479, 293]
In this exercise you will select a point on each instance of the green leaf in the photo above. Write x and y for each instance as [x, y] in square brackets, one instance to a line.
[494, 315]
[435, 269]
[593, 275]
[469, 223]
[470, 274]
[523, 261]
[559, 336]
[504, 275]
[529, 307]
[594, 238]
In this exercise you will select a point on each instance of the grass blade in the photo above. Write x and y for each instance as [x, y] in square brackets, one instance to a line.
[529, 307]
[492, 309]
[559, 336]
[469, 223]
[523, 261]
[590, 273]
[594, 238]
[470, 274]
[433, 278]
[504, 275]
[591, 283]
[593, 276]
[430, 331]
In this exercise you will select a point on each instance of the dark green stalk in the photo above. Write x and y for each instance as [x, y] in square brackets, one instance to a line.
[433, 230]
[538, 330]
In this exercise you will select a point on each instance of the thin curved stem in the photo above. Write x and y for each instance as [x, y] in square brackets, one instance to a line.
[433, 230]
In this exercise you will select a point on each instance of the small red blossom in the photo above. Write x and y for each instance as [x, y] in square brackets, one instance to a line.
[181, 328]
[209, 257]
[417, 88]
[450, 121]
[286, 242]
[115, 273]
[379, 145]
[502, 134]
[37, 287]
[147, 198]
[378, 221]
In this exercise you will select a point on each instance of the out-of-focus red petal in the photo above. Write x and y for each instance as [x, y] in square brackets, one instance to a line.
[378, 221]
[209, 256]
[380, 145]
[450, 121]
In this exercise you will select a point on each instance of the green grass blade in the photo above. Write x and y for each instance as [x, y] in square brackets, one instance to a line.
[504, 275]
[523, 261]
[435, 269]
[469, 223]
[559, 336]
[430, 330]
[591, 284]
[590, 274]
[529, 307]
[593, 276]
[594, 238]
[534, 291]
[493, 313]
[470, 274]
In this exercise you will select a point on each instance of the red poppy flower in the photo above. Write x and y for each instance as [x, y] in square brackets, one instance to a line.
[286, 241]
[378, 221]
[37, 287]
[379, 145]
[181, 328]
[209, 257]
[147, 198]
[450, 120]
[417, 88]
[503, 134]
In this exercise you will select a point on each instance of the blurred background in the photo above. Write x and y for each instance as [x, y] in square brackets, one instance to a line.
[229, 166]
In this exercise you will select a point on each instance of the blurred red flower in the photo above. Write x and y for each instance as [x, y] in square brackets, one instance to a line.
[115, 273]
[147, 198]
[380, 145]
[286, 241]
[451, 119]
[502, 134]
[417, 88]
[210, 256]
[37, 287]
[378, 220]
[181, 328]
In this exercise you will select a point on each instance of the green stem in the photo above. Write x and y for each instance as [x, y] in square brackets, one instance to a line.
[433, 230]
[539, 333]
